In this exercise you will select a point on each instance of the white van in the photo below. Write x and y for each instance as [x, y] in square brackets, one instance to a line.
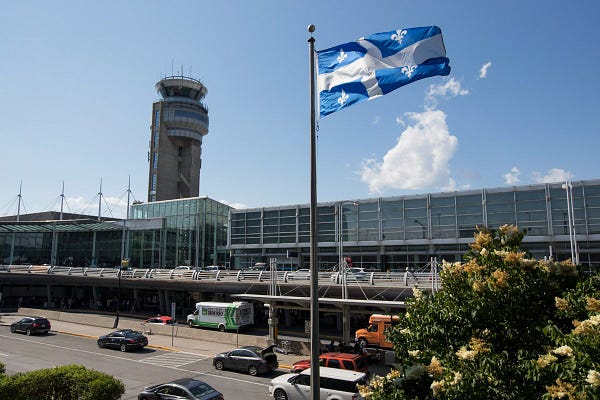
[222, 316]
[338, 384]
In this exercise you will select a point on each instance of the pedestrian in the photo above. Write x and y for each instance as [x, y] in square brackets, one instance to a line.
[330, 347]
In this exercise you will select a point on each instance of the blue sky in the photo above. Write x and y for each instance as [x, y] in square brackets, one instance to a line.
[78, 86]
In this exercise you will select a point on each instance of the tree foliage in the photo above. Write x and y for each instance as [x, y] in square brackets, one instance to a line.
[504, 326]
[69, 382]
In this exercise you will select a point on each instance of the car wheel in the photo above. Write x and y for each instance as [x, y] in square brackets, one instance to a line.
[219, 364]
[252, 370]
[28, 332]
[100, 343]
[362, 342]
[13, 329]
[280, 395]
[222, 328]
[190, 323]
[123, 347]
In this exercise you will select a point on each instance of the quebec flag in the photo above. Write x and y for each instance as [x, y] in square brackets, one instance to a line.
[378, 64]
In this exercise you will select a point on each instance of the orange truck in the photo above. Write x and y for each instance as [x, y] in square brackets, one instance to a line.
[374, 334]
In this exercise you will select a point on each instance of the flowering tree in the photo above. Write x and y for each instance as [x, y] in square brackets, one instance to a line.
[501, 328]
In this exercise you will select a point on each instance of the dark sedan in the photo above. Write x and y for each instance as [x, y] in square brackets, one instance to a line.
[252, 359]
[31, 325]
[124, 340]
[186, 388]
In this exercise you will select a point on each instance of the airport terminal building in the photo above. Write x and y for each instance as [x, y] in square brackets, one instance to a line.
[388, 233]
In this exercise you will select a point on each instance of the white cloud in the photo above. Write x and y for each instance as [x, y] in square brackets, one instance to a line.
[238, 206]
[450, 89]
[554, 175]
[512, 177]
[420, 158]
[112, 207]
[484, 70]
[376, 120]
[400, 121]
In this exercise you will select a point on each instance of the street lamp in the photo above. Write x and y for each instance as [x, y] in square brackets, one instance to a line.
[571, 214]
[124, 264]
[422, 226]
[342, 266]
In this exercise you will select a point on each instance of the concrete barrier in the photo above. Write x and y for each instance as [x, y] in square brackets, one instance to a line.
[182, 331]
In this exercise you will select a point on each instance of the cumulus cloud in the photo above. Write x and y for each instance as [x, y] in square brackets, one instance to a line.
[238, 206]
[420, 158]
[400, 121]
[484, 70]
[452, 88]
[512, 177]
[554, 175]
[111, 206]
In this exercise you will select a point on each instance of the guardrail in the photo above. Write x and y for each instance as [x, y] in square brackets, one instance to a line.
[419, 279]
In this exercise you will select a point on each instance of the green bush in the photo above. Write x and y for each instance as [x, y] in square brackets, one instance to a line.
[497, 330]
[69, 382]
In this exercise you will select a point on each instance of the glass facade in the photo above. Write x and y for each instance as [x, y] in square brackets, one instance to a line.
[159, 235]
[79, 244]
[400, 232]
[193, 233]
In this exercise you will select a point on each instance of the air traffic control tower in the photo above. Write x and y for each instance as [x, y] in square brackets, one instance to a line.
[179, 122]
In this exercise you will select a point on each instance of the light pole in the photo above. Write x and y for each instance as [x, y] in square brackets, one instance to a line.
[342, 265]
[571, 214]
[124, 263]
[422, 226]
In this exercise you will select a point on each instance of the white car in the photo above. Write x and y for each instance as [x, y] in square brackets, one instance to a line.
[301, 274]
[335, 384]
[352, 275]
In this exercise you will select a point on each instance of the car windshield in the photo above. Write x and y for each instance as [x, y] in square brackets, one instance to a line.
[200, 390]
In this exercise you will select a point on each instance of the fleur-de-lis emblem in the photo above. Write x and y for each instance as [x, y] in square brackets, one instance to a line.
[342, 56]
[398, 36]
[408, 70]
[342, 99]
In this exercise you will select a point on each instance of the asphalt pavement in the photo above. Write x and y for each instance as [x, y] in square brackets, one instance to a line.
[200, 347]
[156, 341]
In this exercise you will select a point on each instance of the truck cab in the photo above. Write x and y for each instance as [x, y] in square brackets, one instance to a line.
[374, 334]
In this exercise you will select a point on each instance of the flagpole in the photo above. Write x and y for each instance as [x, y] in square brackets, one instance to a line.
[315, 387]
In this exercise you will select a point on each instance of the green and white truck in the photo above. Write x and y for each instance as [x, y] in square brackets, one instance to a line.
[222, 316]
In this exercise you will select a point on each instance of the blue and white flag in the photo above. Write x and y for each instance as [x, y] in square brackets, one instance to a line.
[378, 64]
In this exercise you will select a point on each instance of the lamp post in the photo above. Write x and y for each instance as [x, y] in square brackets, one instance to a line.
[571, 214]
[422, 226]
[124, 264]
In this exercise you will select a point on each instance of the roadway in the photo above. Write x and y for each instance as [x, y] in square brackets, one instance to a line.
[157, 363]
[165, 358]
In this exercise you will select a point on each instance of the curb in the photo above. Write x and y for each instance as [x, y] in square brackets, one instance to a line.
[96, 337]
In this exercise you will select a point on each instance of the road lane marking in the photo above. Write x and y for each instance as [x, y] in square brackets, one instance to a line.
[103, 354]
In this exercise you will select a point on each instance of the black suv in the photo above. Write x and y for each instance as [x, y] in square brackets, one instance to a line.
[31, 325]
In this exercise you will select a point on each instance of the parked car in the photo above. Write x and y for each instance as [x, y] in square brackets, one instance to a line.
[211, 268]
[352, 275]
[334, 383]
[185, 388]
[31, 325]
[349, 361]
[124, 340]
[301, 274]
[161, 320]
[252, 359]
